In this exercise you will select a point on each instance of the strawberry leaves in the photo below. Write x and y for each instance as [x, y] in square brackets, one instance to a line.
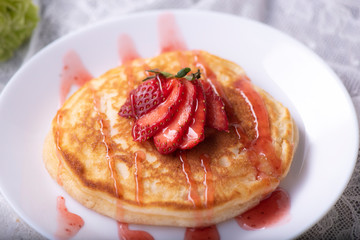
[180, 74]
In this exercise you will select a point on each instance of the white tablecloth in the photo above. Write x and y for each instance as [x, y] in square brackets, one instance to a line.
[330, 28]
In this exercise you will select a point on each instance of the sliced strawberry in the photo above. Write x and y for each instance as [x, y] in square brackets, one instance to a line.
[144, 98]
[161, 79]
[168, 139]
[150, 123]
[126, 110]
[195, 132]
[215, 115]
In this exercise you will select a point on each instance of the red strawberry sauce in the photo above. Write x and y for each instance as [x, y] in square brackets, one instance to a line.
[262, 144]
[169, 34]
[127, 49]
[204, 233]
[126, 234]
[73, 73]
[69, 224]
[271, 211]
[127, 52]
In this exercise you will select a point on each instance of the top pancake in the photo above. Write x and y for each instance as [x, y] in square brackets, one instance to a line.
[90, 151]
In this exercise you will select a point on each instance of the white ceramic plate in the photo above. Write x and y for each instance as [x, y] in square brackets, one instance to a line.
[285, 68]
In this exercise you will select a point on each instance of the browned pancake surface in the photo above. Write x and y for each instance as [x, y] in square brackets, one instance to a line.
[90, 151]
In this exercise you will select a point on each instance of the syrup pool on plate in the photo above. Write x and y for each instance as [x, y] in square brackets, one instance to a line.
[205, 233]
[69, 224]
[126, 234]
[271, 211]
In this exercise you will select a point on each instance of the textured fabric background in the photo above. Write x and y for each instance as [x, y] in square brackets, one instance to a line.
[330, 28]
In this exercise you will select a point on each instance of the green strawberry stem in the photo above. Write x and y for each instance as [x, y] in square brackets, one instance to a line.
[181, 74]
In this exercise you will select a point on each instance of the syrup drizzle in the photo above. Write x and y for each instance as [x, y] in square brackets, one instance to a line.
[127, 53]
[126, 234]
[193, 195]
[262, 143]
[208, 181]
[170, 34]
[104, 130]
[58, 148]
[73, 73]
[271, 211]
[105, 139]
[69, 224]
[139, 158]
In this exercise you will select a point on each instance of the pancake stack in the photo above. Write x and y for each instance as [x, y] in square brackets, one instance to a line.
[90, 149]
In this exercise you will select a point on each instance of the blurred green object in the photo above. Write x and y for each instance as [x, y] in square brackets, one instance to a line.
[18, 18]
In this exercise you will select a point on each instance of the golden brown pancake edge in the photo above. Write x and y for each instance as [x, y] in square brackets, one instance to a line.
[98, 171]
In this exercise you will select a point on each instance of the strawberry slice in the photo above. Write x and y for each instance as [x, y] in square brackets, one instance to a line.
[150, 123]
[215, 115]
[126, 109]
[144, 98]
[195, 132]
[168, 139]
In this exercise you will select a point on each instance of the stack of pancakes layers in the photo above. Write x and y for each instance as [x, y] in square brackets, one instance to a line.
[91, 153]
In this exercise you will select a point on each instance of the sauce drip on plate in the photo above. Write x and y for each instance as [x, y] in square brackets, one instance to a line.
[169, 34]
[69, 224]
[127, 49]
[204, 233]
[126, 234]
[271, 211]
[127, 53]
[73, 73]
